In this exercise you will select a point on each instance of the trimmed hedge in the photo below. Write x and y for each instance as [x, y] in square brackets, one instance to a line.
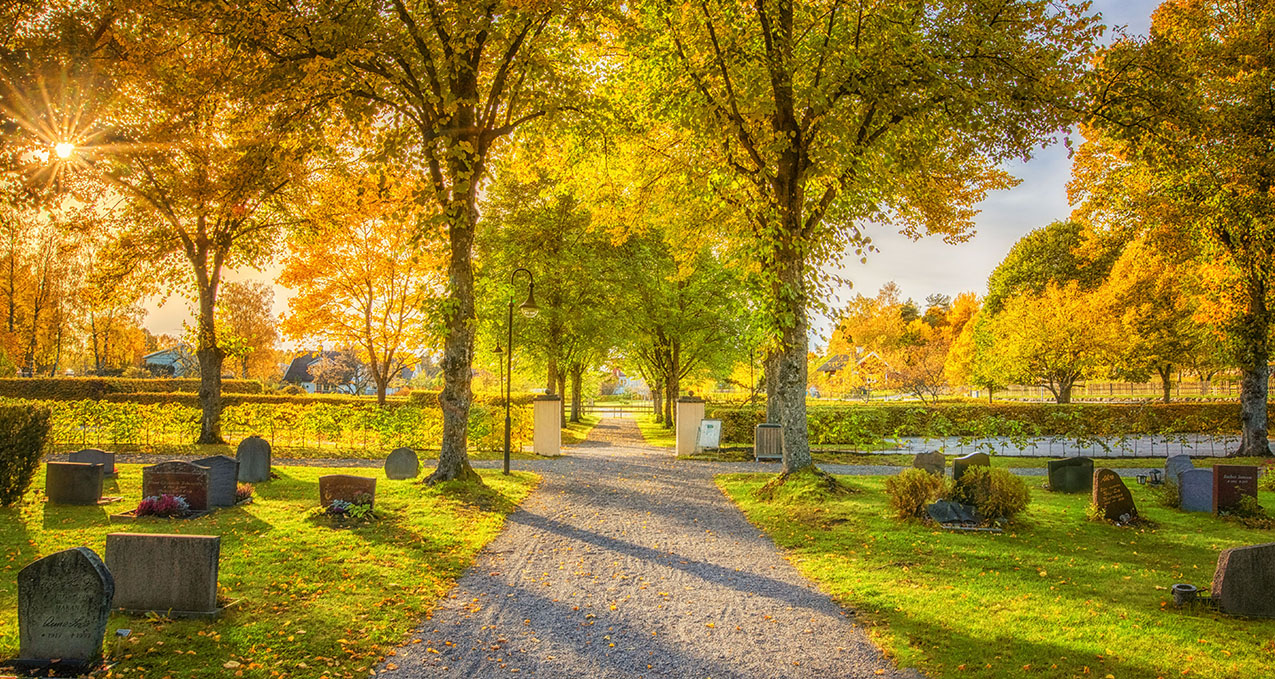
[76, 388]
[869, 423]
[24, 432]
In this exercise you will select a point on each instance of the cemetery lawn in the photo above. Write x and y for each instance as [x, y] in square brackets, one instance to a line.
[1054, 596]
[830, 455]
[313, 601]
[575, 432]
[655, 434]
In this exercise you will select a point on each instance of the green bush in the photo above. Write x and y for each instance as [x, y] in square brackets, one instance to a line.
[1166, 495]
[996, 493]
[912, 490]
[76, 388]
[24, 431]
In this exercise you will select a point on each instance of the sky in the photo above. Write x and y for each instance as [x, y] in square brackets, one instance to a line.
[918, 267]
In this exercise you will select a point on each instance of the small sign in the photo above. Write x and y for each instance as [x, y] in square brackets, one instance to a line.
[710, 435]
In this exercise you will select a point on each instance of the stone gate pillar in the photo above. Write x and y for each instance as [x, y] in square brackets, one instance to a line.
[690, 410]
[547, 435]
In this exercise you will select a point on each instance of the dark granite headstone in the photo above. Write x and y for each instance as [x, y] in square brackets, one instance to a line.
[64, 600]
[1072, 475]
[253, 455]
[402, 464]
[947, 512]
[162, 573]
[933, 462]
[346, 487]
[95, 456]
[1232, 482]
[1175, 465]
[177, 478]
[1195, 490]
[1112, 497]
[73, 483]
[960, 464]
[223, 479]
[1244, 583]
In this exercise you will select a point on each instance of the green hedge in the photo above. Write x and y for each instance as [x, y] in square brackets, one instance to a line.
[1083, 421]
[24, 431]
[76, 388]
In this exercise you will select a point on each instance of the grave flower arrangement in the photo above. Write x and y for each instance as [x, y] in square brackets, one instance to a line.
[243, 493]
[343, 510]
[163, 506]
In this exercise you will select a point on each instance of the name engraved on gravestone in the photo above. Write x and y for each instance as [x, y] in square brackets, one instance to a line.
[177, 478]
[1072, 475]
[95, 456]
[1112, 497]
[73, 483]
[347, 488]
[64, 601]
[253, 455]
[960, 464]
[1231, 483]
[223, 479]
[933, 462]
[1195, 490]
[1244, 582]
[402, 463]
[1176, 464]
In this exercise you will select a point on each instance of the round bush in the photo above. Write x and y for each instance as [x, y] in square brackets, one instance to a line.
[912, 490]
[996, 493]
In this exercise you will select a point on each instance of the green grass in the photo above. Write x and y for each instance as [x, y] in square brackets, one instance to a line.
[1055, 596]
[829, 455]
[577, 432]
[314, 601]
[655, 434]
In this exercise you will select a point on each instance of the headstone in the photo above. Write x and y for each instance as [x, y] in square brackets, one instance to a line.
[1244, 582]
[960, 464]
[709, 436]
[768, 442]
[1112, 497]
[73, 483]
[402, 464]
[177, 478]
[1072, 475]
[1232, 482]
[933, 462]
[164, 573]
[95, 456]
[947, 512]
[223, 479]
[1195, 490]
[253, 455]
[1176, 464]
[345, 487]
[64, 600]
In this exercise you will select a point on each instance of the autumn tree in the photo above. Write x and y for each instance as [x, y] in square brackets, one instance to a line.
[248, 329]
[1055, 253]
[367, 272]
[822, 115]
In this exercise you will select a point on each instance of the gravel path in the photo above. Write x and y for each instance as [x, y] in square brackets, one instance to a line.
[624, 564]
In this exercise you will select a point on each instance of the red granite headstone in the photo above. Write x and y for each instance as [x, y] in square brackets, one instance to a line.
[1232, 482]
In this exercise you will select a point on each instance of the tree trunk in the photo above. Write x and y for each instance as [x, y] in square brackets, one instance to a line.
[458, 347]
[562, 394]
[657, 401]
[551, 378]
[1166, 380]
[577, 380]
[671, 389]
[790, 365]
[1254, 361]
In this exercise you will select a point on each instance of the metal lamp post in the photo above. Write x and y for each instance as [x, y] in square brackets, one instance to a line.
[529, 310]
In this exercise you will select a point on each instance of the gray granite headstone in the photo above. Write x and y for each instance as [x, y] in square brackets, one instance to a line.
[223, 479]
[347, 488]
[162, 573]
[73, 483]
[64, 600]
[933, 462]
[1072, 475]
[402, 464]
[960, 464]
[1176, 464]
[254, 460]
[95, 456]
[177, 478]
[1195, 490]
[1244, 582]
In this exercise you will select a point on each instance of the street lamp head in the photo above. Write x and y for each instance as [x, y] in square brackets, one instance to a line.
[64, 149]
[529, 308]
[499, 350]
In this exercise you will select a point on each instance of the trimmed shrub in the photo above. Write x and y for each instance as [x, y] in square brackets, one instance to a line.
[24, 431]
[77, 388]
[996, 493]
[912, 490]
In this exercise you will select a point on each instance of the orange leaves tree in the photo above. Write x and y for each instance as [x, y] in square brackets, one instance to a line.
[821, 115]
[1190, 108]
[361, 276]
